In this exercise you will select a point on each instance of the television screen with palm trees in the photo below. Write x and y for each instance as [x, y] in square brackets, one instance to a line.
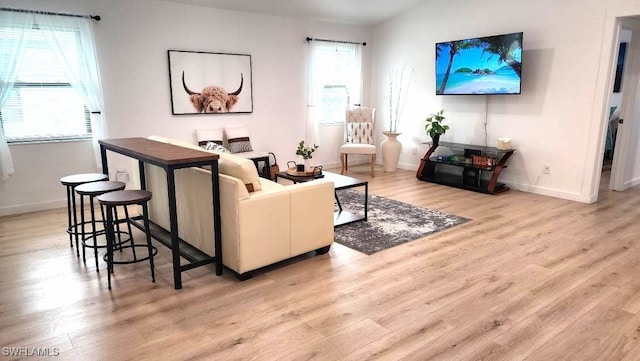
[484, 65]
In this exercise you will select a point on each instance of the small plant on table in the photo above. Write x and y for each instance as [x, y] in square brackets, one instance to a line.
[306, 151]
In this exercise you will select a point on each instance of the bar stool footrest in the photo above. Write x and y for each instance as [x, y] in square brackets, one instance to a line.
[102, 232]
[154, 253]
[87, 224]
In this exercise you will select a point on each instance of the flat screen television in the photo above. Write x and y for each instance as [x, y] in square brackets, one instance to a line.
[484, 65]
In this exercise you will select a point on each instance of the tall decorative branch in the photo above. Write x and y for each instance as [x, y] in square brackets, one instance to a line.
[397, 96]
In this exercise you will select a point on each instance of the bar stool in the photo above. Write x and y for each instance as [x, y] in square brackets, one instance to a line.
[71, 182]
[93, 190]
[124, 198]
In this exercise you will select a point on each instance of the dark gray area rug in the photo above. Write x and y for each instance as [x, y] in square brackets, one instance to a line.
[389, 223]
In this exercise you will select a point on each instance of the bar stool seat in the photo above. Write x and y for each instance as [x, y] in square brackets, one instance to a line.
[124, 198]
[71, 182]
[93, 190]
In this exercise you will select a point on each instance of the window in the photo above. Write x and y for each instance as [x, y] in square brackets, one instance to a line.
[335, 100]
[336, 80]
[42, 105]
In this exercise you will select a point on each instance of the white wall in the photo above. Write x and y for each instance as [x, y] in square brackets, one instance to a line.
[133, 38]
[559, 117]
[39, 167]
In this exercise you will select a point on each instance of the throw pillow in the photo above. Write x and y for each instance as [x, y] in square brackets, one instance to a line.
[205, 136]
[360, 133]
[240, 168]
[238, 139]
[215, 147]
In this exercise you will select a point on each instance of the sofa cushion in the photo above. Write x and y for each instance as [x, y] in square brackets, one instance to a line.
[159, 138]
[358, 148]
[269, 185]
[251, 155]
[228, 164]
[215, 147]
[184, 144]
[241, 168]
[209, 135]
[238, 139]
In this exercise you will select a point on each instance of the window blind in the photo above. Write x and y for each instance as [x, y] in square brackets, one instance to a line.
[42, 106]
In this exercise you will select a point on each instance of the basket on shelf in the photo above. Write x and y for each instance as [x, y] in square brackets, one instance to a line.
[273, 167]
[483, 161]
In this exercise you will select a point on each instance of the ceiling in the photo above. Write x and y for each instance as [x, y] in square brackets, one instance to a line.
[358, 12]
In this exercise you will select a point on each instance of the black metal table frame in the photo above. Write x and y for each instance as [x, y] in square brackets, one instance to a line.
[264, 172]
[173, 216]
[337, 222]
[366, 201]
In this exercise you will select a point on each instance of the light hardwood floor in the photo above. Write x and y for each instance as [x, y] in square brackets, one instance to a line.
[529, 278]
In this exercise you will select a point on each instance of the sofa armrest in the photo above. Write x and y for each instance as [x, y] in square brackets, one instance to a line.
[311, 215]
[195, 211]
[250, 239]
[263, 236]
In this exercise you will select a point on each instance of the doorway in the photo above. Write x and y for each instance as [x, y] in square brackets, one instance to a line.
[622, 149]
[615, 108]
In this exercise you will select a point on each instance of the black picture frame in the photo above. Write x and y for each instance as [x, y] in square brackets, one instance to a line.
[619, 68]
[210, 83]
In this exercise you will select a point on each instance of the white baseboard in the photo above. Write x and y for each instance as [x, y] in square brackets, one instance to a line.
[334, 165]
[632, 183]
[408, 166]
[571, 196]
[32, 207]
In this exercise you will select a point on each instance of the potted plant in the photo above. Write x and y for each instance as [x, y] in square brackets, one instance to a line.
[306, 152]
[434, 126]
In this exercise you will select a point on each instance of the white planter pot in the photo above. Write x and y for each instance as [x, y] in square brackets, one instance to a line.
[391, 149]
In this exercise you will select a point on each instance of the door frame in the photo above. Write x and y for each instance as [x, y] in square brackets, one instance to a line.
[630, 84]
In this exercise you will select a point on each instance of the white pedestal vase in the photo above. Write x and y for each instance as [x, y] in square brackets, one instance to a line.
[391, 149]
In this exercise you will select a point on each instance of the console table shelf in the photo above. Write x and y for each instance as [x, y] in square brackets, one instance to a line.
[460, 164]
[466, 175]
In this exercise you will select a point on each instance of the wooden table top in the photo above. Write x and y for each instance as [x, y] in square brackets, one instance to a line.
[122, 198]
[157, 152]
[94, 188]
[77, 179]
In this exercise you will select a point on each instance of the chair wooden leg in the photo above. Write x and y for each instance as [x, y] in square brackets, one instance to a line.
[342, 161]
[373, 163]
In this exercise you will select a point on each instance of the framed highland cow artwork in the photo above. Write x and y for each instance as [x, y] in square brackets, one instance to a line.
[210, 83]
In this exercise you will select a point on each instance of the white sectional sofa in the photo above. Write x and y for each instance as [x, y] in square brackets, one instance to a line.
[263, 222]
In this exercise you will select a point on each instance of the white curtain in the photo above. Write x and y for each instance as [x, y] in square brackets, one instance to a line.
[331, 63]
[355, 74]
[314, 94]
[81, 67]
[13, 26]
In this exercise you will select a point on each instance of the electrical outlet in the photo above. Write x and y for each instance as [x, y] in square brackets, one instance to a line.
[546, 169]
[415, 150]
[122, 175]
